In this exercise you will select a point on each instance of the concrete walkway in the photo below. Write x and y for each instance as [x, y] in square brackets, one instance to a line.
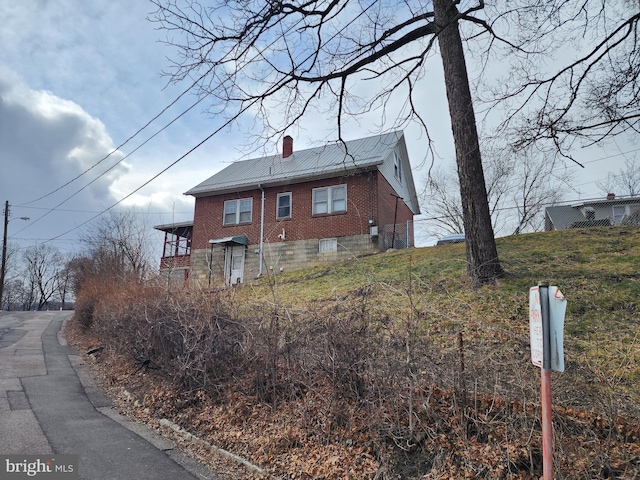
[44, 408]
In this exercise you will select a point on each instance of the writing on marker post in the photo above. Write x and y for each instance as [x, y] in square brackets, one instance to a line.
[547, 307]
[557, 307]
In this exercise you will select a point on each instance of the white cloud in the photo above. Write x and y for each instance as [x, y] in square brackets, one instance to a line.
[50, 132]
[45, 141]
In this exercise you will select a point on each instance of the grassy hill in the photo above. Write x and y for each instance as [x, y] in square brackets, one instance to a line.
[597, 269]
[390, 366]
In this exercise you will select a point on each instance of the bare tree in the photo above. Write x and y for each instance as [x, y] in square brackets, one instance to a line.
[43, 265]
[316, 55]
[117, 247]
[537, 183]
[12, 269]
[64, 281]
[441, 202]
[441, 196]
[625, 182]
[520, 185]
[586, 89]
[82, 269]
[14, 294]
[482, 255]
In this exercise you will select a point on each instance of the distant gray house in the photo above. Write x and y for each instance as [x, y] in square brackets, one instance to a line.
[609, 211]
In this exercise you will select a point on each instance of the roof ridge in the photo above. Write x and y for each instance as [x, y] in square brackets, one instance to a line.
[329, 143]
[327, 159]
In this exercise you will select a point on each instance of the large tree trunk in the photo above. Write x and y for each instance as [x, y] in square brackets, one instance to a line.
[483, 265]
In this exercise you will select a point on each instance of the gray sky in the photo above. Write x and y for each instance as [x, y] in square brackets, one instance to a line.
[78, 78]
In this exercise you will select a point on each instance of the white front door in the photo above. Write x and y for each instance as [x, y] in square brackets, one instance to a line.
[234, 264]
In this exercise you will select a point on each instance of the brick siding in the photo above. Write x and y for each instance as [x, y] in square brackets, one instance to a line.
[369, 197]
[179, 261]
[361, 201]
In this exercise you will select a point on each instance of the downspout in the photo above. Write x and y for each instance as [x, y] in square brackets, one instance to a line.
[371, 219]
[261, 232]
[210, 262]
[395, 219]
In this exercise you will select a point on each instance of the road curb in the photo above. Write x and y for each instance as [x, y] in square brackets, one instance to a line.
[103, 404]
[220, 451]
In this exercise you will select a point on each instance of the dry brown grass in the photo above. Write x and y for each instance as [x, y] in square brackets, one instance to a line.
[396, 369]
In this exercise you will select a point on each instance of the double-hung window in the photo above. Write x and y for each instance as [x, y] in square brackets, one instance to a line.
[283, 207]
[330, 199]
[619, 211]
[237, 211]
[397, 166]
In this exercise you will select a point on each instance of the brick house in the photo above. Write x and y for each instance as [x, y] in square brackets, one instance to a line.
[298, 209]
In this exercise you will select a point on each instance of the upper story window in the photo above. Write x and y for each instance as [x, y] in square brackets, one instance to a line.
[283, 206]
[330, 199]
[397, 166]
[237, 211]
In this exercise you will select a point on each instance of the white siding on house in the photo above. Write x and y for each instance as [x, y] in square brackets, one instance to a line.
[403, 185]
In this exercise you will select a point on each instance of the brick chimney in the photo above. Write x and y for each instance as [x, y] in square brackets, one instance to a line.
[287, 146]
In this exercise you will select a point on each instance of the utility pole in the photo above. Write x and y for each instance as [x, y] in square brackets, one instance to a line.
[4, 250]
[3, 266]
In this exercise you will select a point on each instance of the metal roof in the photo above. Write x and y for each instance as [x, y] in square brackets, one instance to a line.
[562, 216]
[320, 162]
[168, 226]
[181, 229]
[453, 238]
[238, 239]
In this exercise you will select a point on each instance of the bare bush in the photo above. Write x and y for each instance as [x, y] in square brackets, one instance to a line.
[190, 339]
[444, 400]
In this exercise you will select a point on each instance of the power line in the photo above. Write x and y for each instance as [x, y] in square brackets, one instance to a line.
[127, 140]
[68, 210]
[202, 142]
[610, 156]
[240, 112]
[145, 142]
[111, 167]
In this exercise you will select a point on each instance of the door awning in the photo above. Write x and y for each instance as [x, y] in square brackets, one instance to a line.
[238, 240]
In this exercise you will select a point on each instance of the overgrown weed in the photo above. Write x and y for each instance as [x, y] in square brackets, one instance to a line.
[405, 370]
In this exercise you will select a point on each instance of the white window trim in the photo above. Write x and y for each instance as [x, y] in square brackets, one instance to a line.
[237, 214]
[397, 166]
[327, 245]
[329, 199]
[618, 218]
[628, 210]
[280, 195]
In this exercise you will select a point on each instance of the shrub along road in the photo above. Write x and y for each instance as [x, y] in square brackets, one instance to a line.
[45, 408]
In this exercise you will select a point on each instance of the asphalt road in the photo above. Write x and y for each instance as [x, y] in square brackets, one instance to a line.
[45, 408]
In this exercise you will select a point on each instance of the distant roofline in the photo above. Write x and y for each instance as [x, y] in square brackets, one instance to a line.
[601, 200]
